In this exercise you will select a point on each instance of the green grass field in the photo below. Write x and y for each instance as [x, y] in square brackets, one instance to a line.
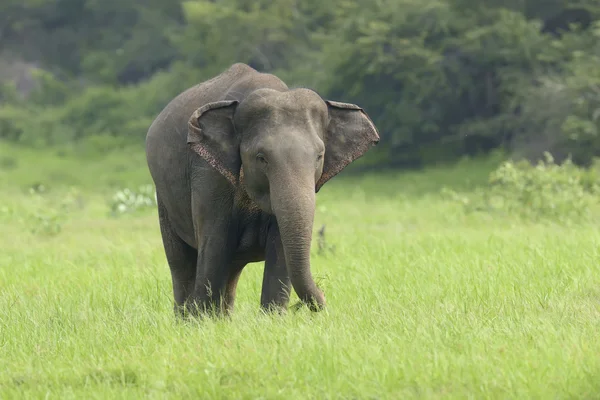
[424, 300]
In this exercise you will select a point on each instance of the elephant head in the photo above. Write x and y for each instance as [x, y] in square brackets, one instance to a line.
[281, 147]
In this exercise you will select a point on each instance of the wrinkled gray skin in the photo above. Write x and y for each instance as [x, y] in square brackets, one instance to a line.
[236, 162]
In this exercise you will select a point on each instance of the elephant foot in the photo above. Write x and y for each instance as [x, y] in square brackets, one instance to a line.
[316, 303]
[192, 309]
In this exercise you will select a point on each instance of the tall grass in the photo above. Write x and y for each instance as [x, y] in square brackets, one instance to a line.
[425, 300]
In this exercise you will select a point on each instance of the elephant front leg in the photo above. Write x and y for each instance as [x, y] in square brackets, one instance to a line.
[232, 281]
[276, 286]
[213, 270]
[182, 261]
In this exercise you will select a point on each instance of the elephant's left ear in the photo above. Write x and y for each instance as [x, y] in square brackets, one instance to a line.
[211, 135]
[349, 135]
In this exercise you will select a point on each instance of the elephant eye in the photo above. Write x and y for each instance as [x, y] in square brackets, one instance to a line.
[319, 157]
[261, 157]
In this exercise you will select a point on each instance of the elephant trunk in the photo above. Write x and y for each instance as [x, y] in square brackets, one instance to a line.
[294, 211]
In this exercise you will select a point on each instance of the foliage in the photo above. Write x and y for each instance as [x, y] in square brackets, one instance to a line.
[546, 190]
[561, 112]
[125, 113]
[107, 41]
[441, 78]
[128, 200]
[47, 216]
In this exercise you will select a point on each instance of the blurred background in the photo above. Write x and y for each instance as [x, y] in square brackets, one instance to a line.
[442, 79]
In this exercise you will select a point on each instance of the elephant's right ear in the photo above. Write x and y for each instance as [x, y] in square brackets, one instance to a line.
[211, 135]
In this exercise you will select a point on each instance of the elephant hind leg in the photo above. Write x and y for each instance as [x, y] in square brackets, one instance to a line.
[234, 276]
[181, 258]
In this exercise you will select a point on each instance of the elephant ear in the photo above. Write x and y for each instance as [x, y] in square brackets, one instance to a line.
[211, 135]
[349, 135]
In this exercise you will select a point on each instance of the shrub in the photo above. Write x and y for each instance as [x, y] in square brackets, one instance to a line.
[13, 122]
[48, 217]
[128, 200]
[545, 190]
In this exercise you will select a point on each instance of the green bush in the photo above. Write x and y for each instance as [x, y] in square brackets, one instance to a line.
[128, 200]
[51, 117]
[48, 215]
[14, 122]
[546, 190]
[543, 190]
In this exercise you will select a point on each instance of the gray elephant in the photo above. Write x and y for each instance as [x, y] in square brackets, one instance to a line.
[236, 162]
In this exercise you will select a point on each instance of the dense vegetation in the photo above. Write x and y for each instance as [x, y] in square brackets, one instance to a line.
[441, 78]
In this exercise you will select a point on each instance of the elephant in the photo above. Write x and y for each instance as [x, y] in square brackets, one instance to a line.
[237, 161]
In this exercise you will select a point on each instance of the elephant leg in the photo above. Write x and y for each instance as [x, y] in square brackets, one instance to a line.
[234, 276]
[276, 286]
[213, 268]
[181, 259]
